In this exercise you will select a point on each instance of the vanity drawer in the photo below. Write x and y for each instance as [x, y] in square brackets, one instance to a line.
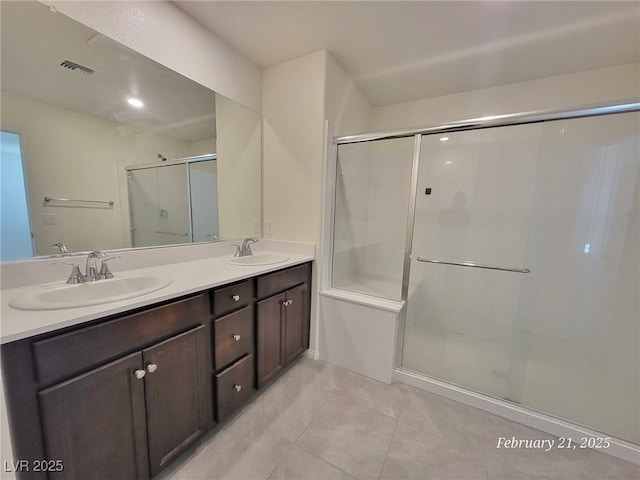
[276, 282]
[65, 355]
[233, 336]
[235, 386]
[232, 297]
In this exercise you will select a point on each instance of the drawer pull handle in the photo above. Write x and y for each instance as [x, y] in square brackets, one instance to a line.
[236, 337]
[235, 297]
[152, 367]
[237, 387]
[140, 374]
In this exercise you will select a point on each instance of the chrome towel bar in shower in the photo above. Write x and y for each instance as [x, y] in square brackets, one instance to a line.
[172, 233]
[475, 265]
[110, 203]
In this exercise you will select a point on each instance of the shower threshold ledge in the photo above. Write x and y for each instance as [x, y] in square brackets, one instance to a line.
[555, 426]
[364, 299]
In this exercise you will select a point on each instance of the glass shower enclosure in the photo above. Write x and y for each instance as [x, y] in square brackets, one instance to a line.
[519, 263]
[173, 202]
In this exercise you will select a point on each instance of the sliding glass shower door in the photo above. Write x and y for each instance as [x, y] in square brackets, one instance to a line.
[159, 206]
[172, 203]
[524, 272]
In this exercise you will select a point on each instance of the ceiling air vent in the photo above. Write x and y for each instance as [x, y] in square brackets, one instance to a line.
[76, 67]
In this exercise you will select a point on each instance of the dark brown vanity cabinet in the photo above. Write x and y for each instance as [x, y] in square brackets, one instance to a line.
[282, 319]
[119, 399]
[123, 396]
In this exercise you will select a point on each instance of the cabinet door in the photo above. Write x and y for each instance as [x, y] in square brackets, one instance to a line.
[95, 423]
[269, 337]
[294, 317]
[178, 395]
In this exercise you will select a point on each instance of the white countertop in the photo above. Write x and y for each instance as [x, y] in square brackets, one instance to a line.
[187, 277]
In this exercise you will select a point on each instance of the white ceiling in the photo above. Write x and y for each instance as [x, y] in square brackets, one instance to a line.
[400, 51]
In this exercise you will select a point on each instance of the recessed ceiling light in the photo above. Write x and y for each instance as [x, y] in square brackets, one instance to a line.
[448, 162]
[135, 102]
[444, 139]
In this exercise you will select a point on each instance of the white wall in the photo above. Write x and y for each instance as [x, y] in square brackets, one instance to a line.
[165, 34]
[298, 96]
[198, 148]
[293, 111]
[346, 107]
[562, 92]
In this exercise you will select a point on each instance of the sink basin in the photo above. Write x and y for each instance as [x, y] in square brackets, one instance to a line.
[259, 259]
[60, 295]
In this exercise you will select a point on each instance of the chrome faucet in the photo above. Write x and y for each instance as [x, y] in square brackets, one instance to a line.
[245, 249]
[62, 247]
[91, 270]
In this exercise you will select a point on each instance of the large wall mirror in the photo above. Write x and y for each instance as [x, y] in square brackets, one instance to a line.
[111, 142]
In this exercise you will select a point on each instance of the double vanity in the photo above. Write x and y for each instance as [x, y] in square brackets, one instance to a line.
[123, 388]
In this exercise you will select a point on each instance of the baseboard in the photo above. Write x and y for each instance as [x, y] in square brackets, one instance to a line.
[312, 354]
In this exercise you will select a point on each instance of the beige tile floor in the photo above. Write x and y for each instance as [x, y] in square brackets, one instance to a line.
[319, 421]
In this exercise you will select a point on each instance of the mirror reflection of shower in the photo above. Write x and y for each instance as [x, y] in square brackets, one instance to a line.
[174, 201]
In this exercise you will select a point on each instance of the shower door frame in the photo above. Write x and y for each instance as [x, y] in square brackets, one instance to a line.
[458, 126]
[540, 420]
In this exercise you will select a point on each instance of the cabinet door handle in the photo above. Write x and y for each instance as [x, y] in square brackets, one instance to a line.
[290, 301]
[152, 367]
[285, 303]
[140, 374]
[236, 337]
[237, 387]
[235, 297]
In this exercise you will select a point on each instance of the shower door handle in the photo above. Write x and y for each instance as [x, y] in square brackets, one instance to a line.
[475, 265]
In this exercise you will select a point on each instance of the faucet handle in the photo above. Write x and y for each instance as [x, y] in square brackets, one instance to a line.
[76, 275]
[104, 268]
[238, 252]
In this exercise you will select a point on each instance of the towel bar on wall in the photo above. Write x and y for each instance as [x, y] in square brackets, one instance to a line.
[110, 203]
